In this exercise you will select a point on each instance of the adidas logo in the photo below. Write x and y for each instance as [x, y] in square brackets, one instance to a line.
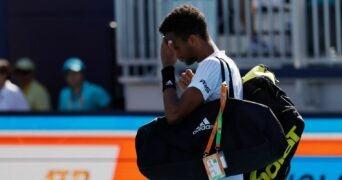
[204, 125]
[169, 83]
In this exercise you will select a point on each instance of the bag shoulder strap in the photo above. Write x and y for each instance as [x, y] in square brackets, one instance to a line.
[231, 90]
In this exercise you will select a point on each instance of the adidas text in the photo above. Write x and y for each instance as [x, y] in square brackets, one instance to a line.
[204, 125]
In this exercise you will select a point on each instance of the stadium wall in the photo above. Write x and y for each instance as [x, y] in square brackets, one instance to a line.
[102, 147]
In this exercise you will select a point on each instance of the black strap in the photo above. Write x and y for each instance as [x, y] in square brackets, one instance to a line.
[231, 90]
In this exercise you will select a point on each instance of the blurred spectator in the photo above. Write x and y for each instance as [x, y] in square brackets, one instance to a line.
[256, 44]
[81, 95]
[11, 97]
[36, 94]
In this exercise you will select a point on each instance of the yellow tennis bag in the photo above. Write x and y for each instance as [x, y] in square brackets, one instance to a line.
[260, 85]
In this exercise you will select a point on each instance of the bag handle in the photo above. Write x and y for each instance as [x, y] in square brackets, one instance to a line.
[231, 90]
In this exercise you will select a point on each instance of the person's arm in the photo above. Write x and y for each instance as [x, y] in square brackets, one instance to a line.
[61, 103]
[102, 98]
[20, 101]
[42, 102]
[176, 109]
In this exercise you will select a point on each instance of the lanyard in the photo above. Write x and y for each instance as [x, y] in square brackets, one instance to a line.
[217, 129]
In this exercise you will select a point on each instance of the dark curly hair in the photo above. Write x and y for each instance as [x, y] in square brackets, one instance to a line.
[184, 21]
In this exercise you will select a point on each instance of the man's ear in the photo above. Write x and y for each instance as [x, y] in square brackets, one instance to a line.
[193, 39]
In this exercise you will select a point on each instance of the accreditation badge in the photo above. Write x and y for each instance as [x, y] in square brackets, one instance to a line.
[214, 166]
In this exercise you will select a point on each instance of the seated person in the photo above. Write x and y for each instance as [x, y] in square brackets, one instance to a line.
[81, 95]
[11, 97]
[36, 94]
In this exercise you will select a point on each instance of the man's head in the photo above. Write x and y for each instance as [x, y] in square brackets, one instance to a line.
[73, 69]
[186, 28]
[24, 68]
[5, 71]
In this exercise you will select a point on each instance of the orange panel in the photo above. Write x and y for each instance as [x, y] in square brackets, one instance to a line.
[126, 164]
[319, 148]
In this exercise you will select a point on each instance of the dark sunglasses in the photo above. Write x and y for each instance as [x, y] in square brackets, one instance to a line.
[23, 72]
[3, 71]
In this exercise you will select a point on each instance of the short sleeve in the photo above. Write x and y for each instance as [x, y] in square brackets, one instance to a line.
[42, 100]
[207, 77]
[62, 100]
[21, 102]
[102, 97]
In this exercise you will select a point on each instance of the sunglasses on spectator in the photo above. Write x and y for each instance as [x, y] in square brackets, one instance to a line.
[3, 71]
[23, 72]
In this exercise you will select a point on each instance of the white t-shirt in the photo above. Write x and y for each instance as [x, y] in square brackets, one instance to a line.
[12, 99]
[208, 80]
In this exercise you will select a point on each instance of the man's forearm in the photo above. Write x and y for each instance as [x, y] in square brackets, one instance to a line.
[171, 105]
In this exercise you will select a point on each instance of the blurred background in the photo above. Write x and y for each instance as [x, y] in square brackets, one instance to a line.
[98, 69]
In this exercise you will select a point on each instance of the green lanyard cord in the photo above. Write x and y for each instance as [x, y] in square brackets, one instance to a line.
[219, 131]
[223, 101]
